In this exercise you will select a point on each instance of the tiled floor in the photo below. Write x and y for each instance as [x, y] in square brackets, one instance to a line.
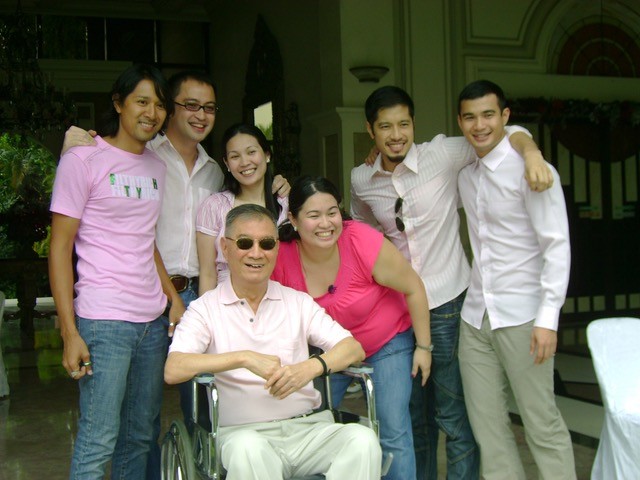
[38, 421]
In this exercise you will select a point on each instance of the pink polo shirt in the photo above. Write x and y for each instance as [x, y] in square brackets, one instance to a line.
[116, 195]
[372, 313]
[285, 324]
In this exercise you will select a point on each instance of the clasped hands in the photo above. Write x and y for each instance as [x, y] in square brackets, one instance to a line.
[281, 380]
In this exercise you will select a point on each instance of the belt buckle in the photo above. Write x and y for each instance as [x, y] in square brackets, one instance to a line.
[180, 282]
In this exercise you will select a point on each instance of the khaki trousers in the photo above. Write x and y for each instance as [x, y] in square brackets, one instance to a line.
[490, 362]
[300, 447]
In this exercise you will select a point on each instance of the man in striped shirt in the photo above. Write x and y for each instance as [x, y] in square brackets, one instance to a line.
[410, 193]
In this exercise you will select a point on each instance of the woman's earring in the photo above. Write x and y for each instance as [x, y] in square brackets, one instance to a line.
[268, 159]
[295, 229]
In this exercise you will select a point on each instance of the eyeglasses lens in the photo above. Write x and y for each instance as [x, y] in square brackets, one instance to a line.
[194, 107]
[246, 243]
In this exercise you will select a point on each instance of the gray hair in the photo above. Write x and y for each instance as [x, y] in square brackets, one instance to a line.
[248, 211]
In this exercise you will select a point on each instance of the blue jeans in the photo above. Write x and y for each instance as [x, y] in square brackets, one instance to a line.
[153, 465]
[440, 405]
[392, 384]
[120, 401]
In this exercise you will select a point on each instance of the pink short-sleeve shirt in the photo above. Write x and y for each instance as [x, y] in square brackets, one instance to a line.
[372, 313]
[117, 196]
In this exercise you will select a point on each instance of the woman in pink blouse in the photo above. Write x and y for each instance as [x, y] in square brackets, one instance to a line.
[247, 180]
[366, 285]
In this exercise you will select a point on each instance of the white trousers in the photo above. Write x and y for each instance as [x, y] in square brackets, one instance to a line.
[299, 447]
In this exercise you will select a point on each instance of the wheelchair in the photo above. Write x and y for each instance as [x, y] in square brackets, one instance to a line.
[197, 456]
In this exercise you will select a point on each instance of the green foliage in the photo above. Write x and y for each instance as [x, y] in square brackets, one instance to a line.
[267, 130]
[41, 247]
[27, 171]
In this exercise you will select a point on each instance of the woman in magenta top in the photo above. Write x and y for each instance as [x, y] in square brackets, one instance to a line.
[367, 286]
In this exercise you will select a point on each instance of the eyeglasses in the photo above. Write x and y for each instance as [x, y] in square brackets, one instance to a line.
[195, 106]
[246, 243]
[397, 209]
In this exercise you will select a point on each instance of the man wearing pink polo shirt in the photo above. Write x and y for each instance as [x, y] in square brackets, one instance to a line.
[253, 333]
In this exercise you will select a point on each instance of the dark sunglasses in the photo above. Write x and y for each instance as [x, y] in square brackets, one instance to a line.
[397, 209]
[246, 243]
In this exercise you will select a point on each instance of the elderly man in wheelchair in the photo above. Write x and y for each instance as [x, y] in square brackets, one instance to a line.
[253, 334]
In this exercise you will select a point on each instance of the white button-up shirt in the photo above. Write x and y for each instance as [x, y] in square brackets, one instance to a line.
[520, 242]
[176, 228]
[427, 181]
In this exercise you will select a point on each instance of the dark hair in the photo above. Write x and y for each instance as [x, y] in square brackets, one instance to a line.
[479, 89]
[127, 83]
[247, 210]
[386, 97]
[177, 79]
[230, 182]
[303, 188]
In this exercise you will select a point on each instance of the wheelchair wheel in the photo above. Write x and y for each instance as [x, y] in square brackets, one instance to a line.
[177, 454]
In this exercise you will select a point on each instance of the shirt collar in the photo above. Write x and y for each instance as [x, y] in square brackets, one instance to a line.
[493, 159]
[410, 162]
[228, 295]
[162, 141]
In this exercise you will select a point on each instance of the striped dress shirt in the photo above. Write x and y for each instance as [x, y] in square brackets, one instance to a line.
[427, 181]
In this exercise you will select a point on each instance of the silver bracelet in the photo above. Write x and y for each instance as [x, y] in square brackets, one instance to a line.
[422, 347]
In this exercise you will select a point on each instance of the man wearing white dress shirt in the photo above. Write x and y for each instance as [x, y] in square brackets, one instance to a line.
[519, 279]
[411, 195]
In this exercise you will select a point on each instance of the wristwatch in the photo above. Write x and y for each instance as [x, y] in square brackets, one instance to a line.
[422, 347]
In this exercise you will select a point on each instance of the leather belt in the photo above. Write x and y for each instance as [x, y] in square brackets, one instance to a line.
[181, 283]
[302, 415]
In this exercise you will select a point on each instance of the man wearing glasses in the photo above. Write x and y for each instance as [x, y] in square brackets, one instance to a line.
[192, 175]
[411, 195]
[253, 334]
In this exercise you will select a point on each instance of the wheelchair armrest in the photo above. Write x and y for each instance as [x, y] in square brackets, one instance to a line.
[358, 370]
[362, 372]
[207, 380]
[204, 378]
[210, 460]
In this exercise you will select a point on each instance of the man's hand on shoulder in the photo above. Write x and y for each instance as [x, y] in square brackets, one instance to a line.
[543, 344]
[76, 136]
[280, 186]
[537, 171]
[371, 157]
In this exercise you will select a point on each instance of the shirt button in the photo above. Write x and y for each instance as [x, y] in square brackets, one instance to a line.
[251, 320]
[241, 302]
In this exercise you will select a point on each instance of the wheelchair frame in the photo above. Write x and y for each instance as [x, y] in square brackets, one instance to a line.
[189, 457]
